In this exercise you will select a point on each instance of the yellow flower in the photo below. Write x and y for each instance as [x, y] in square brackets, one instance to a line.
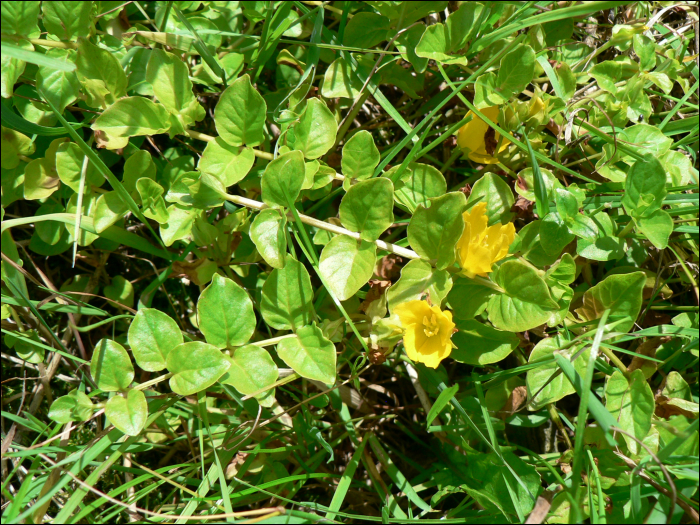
[427, 332]
[481, 246]
[477, 139]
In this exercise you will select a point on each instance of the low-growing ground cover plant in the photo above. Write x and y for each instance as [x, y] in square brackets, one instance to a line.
[299, 262]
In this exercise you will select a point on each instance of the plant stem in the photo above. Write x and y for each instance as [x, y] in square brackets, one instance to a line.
[159, 379]
[392, 248]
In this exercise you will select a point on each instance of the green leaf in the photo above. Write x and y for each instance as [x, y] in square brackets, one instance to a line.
[109, 208]
[526, 301]
[433, 232]
[287, 297]
[195, 366]
[283, 179]
[75, 406]
[67, 20]
[493, 485]
[440, 403]
[468, 298]
[648, 141]
[309, 354]
[645, 188]
[240, 114]
[132, 116]
[152, 335]
[631, 403]
[128, 414]
[268, 232]
[486, 92]
[367, 208]
[360, 156]
[435, 45]
[153, 205]
[606, 74]
[365, 30]
[179, 225]
[20, 18]
[657, 226]
[418, 278]
[621, 294]
[12, 66]
[69, 165]
[24, 347]
[229, 164]
[226, 316]
[406, 44]
[315, 132]
[339, 82]
[419, 183]
[607, 246]
[252, 369]
[347, 264]
[60, 87]
[111, 366]
[462, 25]
[554, 234]
[172, 87]
[100, 73]
[479, 344]
[120, 290]
[497, 195]
[137, 166]
[567, 81]
[559, 386]
[516, 71]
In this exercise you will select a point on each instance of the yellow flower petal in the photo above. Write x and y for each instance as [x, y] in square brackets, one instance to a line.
[472, 137]
[427, 332]
[481, 246]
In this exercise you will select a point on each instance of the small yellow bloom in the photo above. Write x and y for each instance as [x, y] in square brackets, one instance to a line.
[477, 139]
[481, 245]
[427, 332]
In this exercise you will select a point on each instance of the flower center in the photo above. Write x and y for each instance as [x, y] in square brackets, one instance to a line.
[431, 326]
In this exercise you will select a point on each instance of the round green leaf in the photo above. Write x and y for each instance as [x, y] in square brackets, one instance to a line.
[111, 366]
[287, 297]
[479, 344]
[468, 298]
[240, 114]
[229, 164]
[133, 116]
[252, 369]
[109, 208]
[309, 354]
[315, 132]
[171, 83]
[631, 403]
[226, 316]
[338, 81]
[658, 227]
[526, 303]
[418, 278]
[196, 366]
[360, 156]
[268, 232]
[347, 264]
[419, 183]
[75, 406]
[120, 290]
[367, 208]
[365, 30]
[433, 232]
[497, 195]
[517, 69]
[128, 414]
[283, 179]
[152, 335]
[548, 377]
[621, 294]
